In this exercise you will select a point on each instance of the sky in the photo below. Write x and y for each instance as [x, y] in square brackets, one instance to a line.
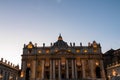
[41, 21]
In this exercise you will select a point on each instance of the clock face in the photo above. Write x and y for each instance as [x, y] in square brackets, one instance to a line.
[30, 46]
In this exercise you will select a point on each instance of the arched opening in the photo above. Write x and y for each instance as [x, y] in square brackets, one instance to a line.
[79, 71]
[98, 73]
[56, 75]
[47, 75]
[27, 77]
[79, 74]
[70, 75]
[63, 74]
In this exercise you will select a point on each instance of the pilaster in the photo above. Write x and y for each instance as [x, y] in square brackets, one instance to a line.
[33, 69]
[43, 63]
[59, 69]
[3, 75]
[83, 68]
[73, 69]
[53, 69]
[102, 70]
[67, 69]
[92, 68]
[7, 76]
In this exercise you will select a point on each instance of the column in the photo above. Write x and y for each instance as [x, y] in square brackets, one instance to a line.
[43, 63]
[92, 69]
[33, 69]
[0, 74]
[102, 70]
[83, 68]
[73, 70]
[59, 70]
[14, 77]
[3, 75]
[67, 74]
[50, 69]
[7, 76]
[53, 69]
[24, 65]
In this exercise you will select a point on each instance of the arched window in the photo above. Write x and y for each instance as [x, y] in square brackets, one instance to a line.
[98, 73]
[63, 74]
[47, 75]
[27, 77]
[79, 74]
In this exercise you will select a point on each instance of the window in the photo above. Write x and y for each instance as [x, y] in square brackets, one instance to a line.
[27, 74]
[47, 62]
[30, 46]
[94, 50]
[85, 51]
[39, 51]
[63, 61]
[56, 50]
[97, 63]
[98, 74]
[47, 51]
[22, 74]
[77, 51]
[56, 62]
[28, 64]
[69, 50]
[95, 45]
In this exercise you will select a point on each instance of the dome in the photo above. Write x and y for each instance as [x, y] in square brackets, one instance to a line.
[60, 43]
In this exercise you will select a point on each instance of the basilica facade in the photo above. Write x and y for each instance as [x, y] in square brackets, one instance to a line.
[61, 61]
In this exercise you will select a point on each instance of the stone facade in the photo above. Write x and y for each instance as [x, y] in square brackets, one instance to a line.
[8, 71]
[113, 70]
[112, 63]
[61, 61]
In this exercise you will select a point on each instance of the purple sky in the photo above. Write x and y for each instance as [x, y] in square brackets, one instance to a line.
[41, 21]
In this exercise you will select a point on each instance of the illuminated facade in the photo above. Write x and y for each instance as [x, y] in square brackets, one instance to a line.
[8, 71]
[112, 64]
[113, 71]
[61, 61]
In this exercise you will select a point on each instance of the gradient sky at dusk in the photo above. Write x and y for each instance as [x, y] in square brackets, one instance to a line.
[41, 21]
